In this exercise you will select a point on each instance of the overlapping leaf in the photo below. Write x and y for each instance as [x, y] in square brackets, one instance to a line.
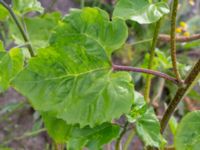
[140, 11]
[10, 63]
[78, 138]
[39, 29]
[188, 132]
[73, 77]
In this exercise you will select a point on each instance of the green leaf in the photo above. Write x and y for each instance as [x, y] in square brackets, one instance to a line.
[147, 124]
[188, 132]
[93, 24]
[76, 137]
[10, 63]
[25, 6]
[148, 128]
[73, 77]
[140, 11]
[3, 13]
[2, 49]
[173, 125]
[38, 28]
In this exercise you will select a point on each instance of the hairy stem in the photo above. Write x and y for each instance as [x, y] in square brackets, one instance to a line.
[173, 39]
[20, 27]
[147, 71]
[190, 81]
[152, 53]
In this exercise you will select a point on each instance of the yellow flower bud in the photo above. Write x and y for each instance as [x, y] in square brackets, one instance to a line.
[186, 34]
[191, 2]
[178, 30]
[183, 24]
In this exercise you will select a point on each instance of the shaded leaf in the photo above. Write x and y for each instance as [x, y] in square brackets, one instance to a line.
[76, 137]
[140, 11]
[188, 132]
[39, 29]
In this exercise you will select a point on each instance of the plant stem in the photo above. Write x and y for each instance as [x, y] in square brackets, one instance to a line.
[167, 38]
[117, 145]
[147, 71]
[190, 81]
[25, 135]
[141, 42]
[129, 140]
[173, 39]
[152, 53]
[20, 27]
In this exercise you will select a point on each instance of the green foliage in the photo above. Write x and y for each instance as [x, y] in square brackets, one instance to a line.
[38, 27]
[3, 13]
[71, 82]
[25, 6]
[140, 11]
[188, 131]
[76, 137]
[10, 63]
[74, 75]
[147, 124]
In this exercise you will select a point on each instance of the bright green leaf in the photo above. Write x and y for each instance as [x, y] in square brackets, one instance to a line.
[188, 132]
[25, 6]
[76, 137]
[10, 63]
[148, 128]
[147, 124]
[140, 11]
[73, 77]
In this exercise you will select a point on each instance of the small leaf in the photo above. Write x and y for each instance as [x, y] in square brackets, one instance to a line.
[78, 138]
[25, 6]
[140, 11]
[147, 124]
[188, 132]
[73, 77]
[148, 128]
[10, 63]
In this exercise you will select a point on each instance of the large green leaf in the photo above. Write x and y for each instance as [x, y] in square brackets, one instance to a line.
[76, 137]
[73, 77]
[140, 11]
[25, 6]
[188, 132]
[10, 63]
[147, 124]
